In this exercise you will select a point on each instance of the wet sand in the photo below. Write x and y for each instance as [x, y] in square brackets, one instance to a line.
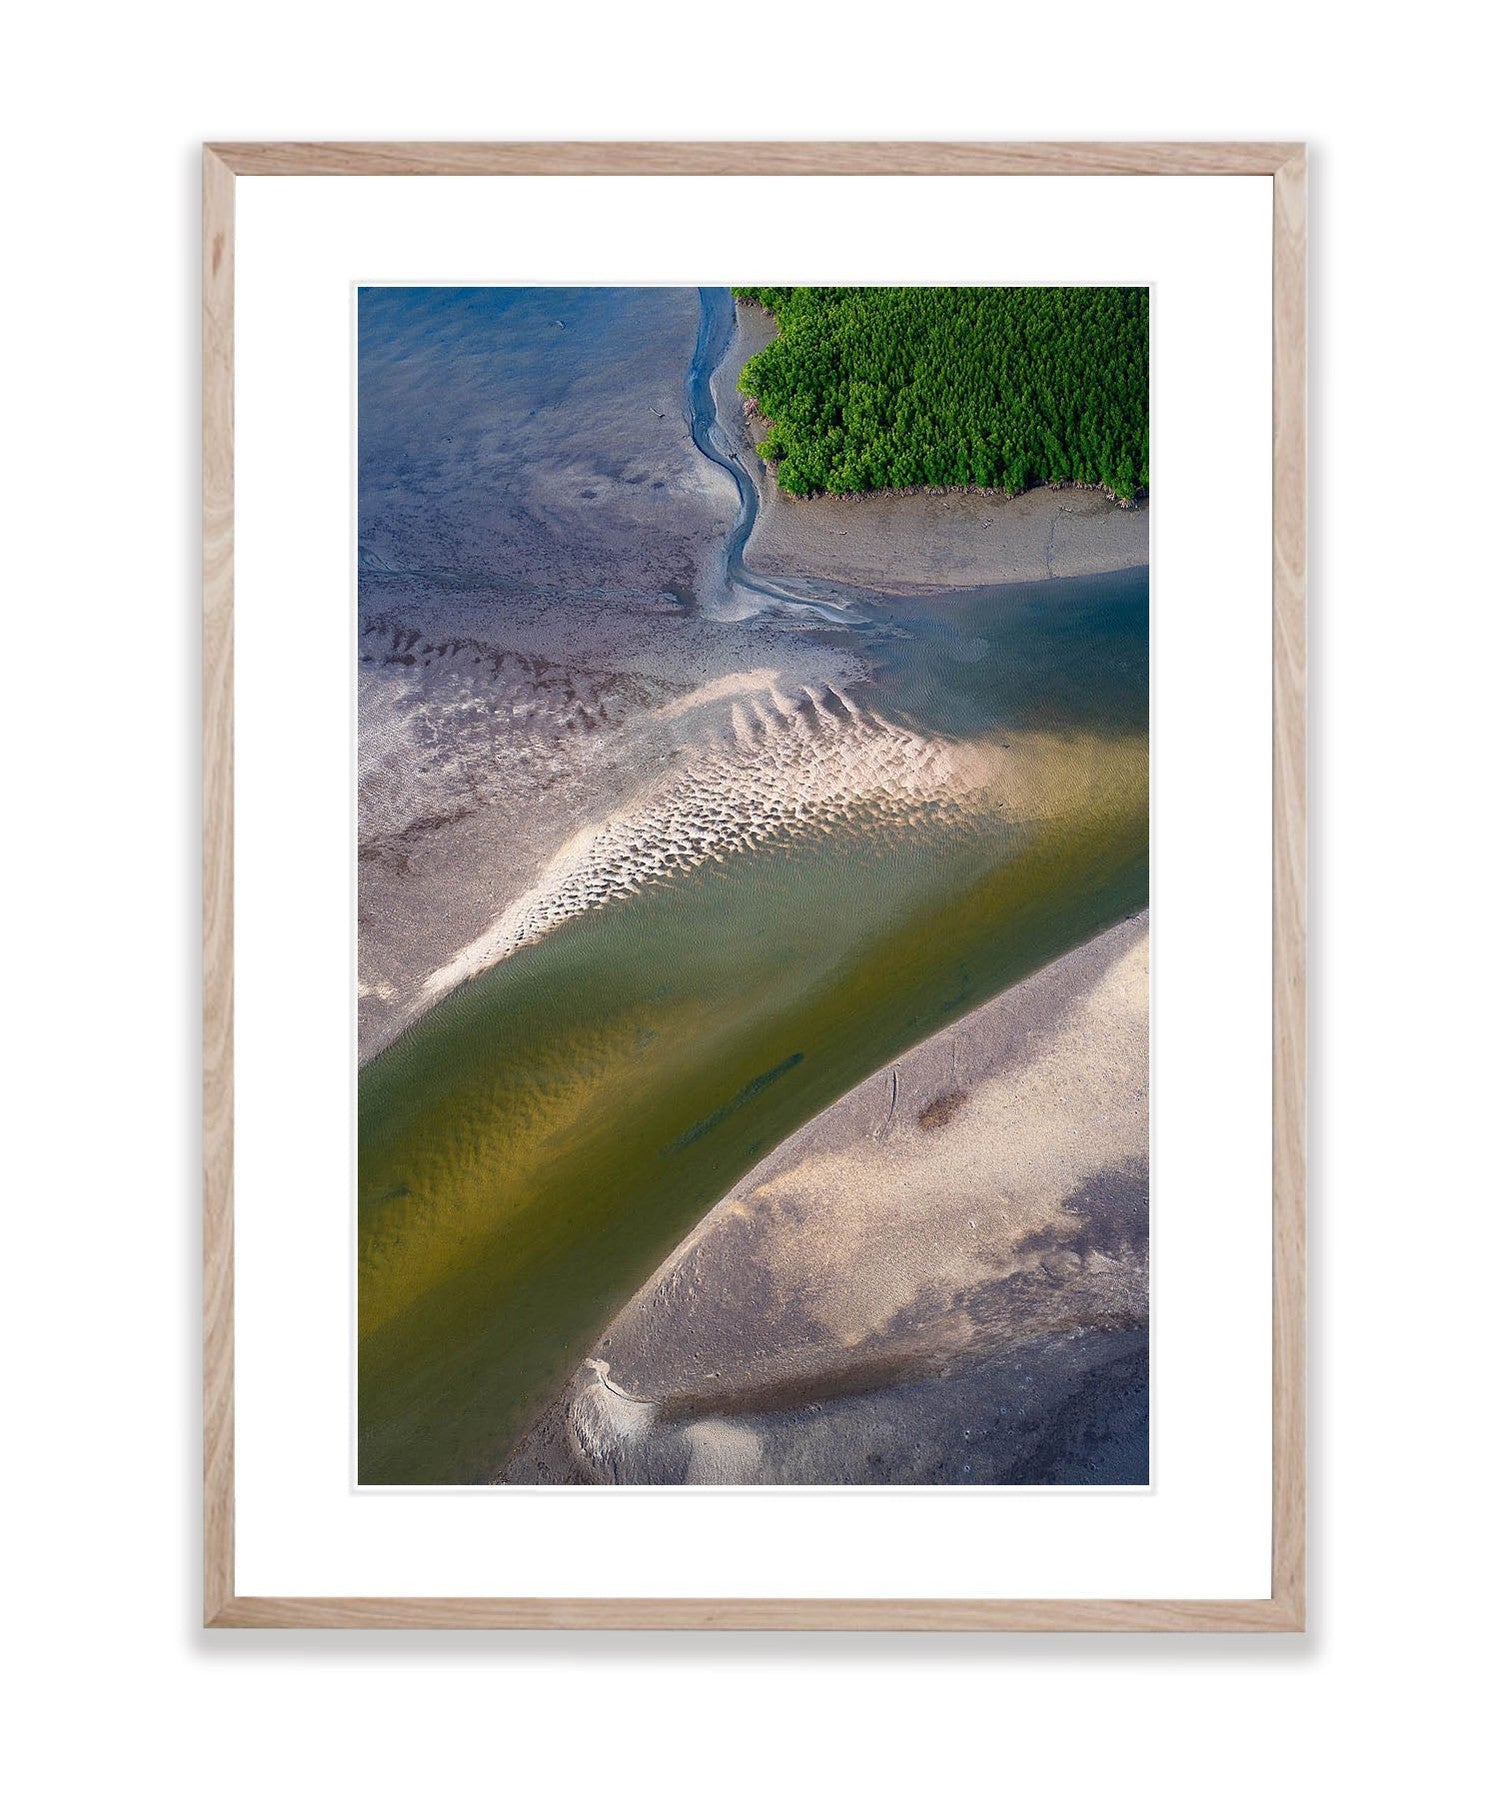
[534, 523]
[770, 763]
[556, 730]
[942, 1277]
[494, 728]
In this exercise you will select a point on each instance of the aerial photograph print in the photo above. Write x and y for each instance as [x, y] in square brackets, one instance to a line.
[753, 885]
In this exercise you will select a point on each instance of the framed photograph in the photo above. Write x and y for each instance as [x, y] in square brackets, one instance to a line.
[754, 885]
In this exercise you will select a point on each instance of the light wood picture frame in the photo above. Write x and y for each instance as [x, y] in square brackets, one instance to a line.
[1285, 1608]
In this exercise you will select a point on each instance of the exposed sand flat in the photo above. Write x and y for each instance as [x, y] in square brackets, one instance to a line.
[920, 540]
[786, 766]
[753, 681]
[536, 436]
[535, 521]
[943, 1276]
[496, 731]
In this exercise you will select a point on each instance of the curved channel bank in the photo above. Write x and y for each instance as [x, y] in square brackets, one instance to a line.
[535, 1144]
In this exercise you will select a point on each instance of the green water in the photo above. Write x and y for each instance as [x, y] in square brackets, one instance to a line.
[532, 1149]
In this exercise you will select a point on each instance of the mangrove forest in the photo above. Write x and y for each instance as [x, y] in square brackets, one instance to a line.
[887, 387]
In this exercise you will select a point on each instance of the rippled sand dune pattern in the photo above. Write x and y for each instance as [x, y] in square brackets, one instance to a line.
[665, 844]
[491, 728]
[788, 765]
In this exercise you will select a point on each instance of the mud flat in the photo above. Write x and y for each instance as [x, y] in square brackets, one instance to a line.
[538, 531]
[661, 864]
[770, 765]
[532, 438]
[535, 523]
[495, 727]
[920, 541]
[943, 1277]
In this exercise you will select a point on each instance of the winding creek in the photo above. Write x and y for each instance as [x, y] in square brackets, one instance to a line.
[534, 1146]
[714, 336]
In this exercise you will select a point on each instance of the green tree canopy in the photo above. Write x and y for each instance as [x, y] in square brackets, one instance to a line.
[870, 387]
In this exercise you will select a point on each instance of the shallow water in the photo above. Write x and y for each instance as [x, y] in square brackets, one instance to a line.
[1064, 655]
[533, 1147]
[740, 589]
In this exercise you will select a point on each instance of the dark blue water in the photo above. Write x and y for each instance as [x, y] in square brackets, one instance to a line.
[1068, 654]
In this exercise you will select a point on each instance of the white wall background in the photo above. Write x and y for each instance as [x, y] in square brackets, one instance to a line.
[104, 109]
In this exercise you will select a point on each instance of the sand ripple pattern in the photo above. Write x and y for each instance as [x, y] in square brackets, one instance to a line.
[787, 766]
